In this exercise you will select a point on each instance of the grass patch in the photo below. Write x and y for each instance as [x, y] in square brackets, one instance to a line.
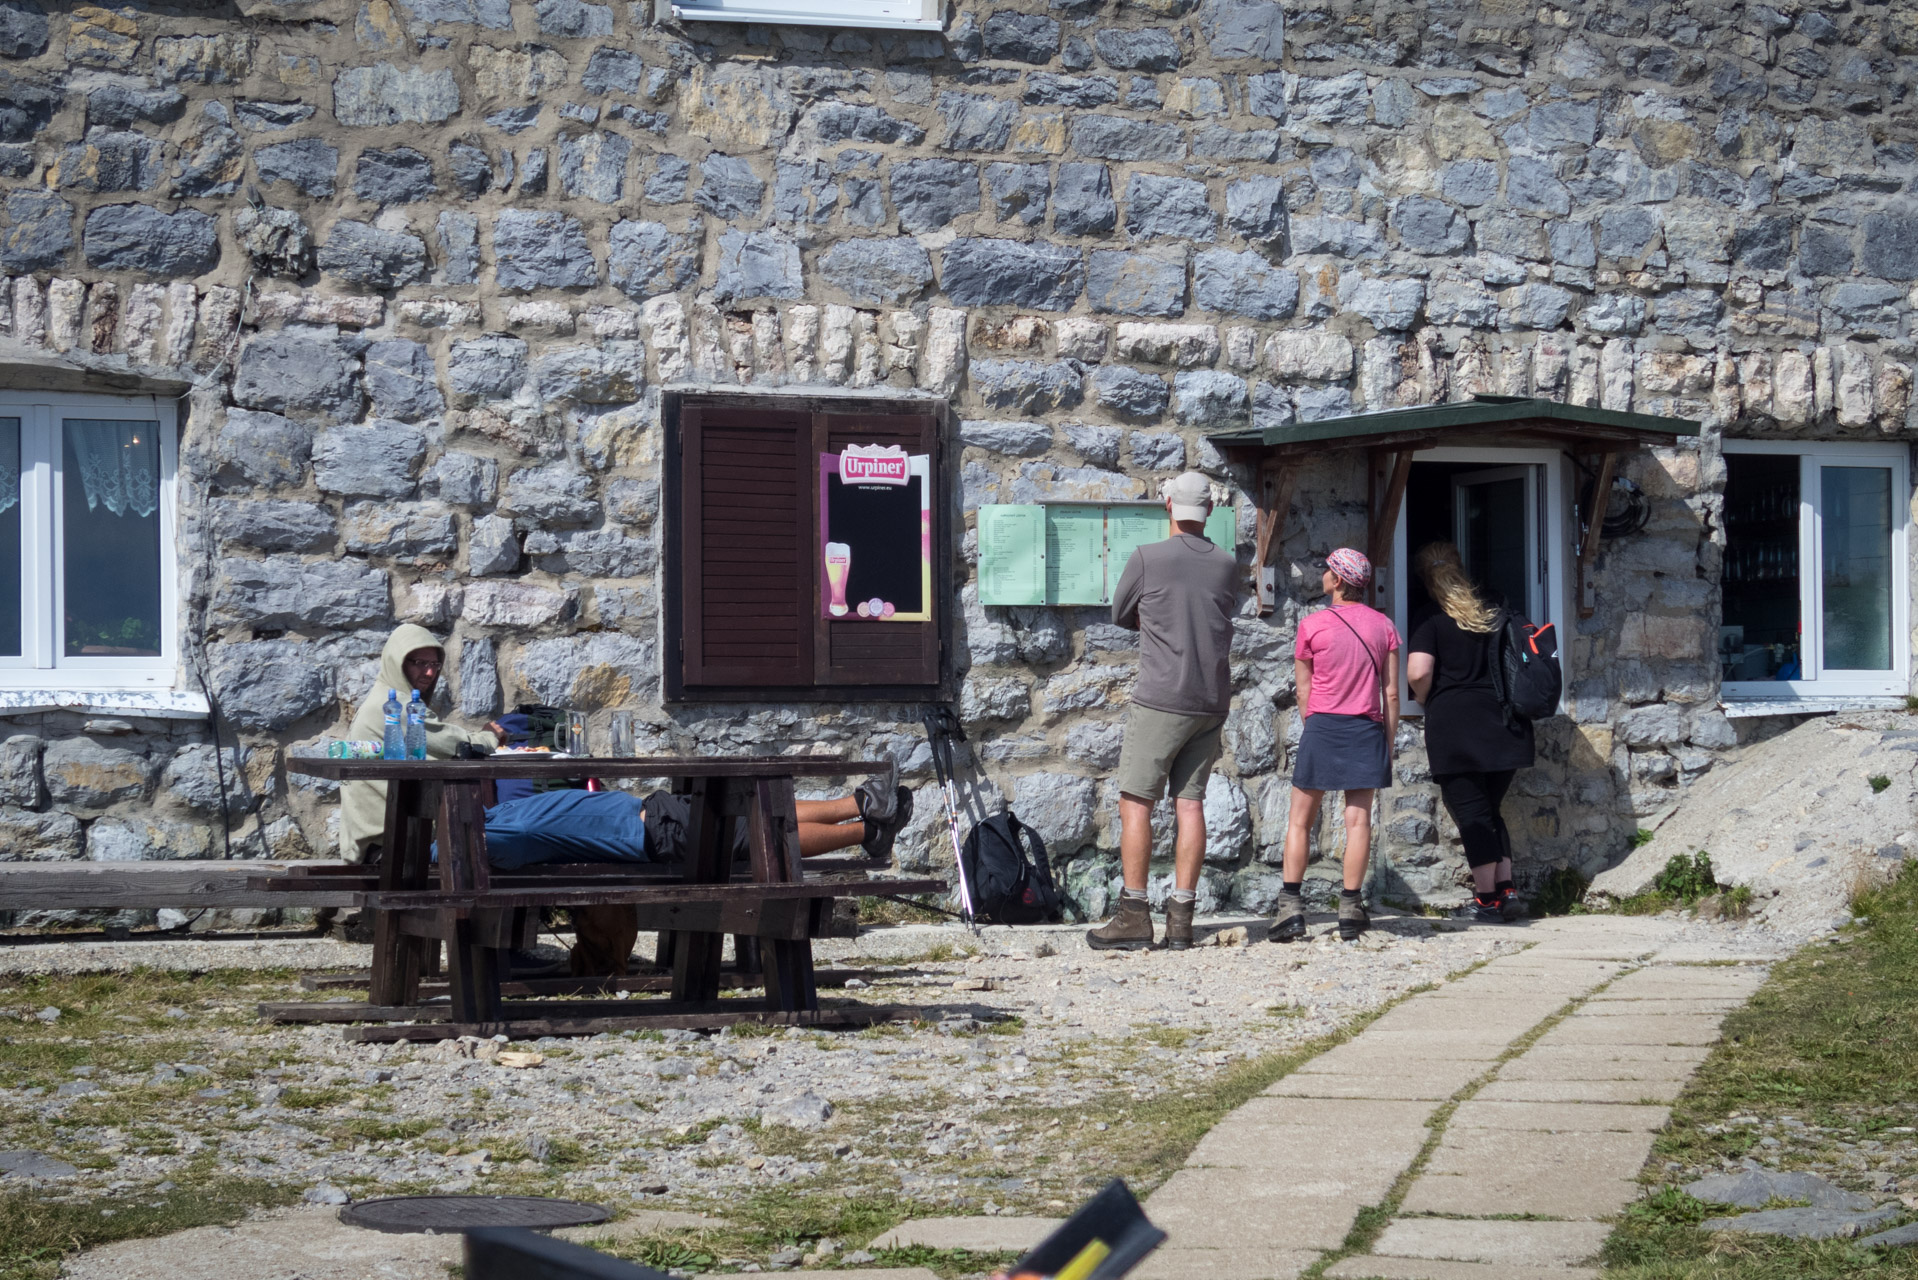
[36, 1232]
[1879, 782]
[297, 1098]
[1561, 892]
[884, 911]
[1832, 1041]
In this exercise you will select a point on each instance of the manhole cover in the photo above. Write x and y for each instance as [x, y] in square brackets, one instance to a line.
[462, 1213]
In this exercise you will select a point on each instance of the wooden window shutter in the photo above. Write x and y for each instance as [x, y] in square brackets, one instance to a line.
[747, 580]
[859, 652]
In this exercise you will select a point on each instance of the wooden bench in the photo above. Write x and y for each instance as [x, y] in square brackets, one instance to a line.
[478, 912]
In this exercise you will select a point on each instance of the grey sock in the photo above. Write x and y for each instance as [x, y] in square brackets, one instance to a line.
[1137, 895]
[1185, 895]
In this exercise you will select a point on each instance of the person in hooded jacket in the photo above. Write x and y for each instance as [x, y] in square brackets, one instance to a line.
[412, 659]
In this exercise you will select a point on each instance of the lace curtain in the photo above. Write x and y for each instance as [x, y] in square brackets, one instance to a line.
[119, 464]
[9, 464]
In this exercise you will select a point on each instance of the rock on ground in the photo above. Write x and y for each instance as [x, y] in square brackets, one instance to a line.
[310, 1243]
[1795, 818]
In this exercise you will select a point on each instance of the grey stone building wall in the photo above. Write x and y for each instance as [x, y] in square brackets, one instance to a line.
[422, 268]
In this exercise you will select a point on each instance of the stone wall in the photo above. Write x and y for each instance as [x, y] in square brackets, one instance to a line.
[427, 265]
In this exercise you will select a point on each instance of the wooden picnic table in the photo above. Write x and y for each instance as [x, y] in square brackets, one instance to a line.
[479, 911]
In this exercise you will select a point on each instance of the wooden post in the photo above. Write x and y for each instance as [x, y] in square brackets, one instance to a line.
[1385, 518]
[708, 861]
[1594, 530]
[1276, 478]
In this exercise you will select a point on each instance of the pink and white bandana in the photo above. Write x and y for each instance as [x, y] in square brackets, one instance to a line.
[1351, 567]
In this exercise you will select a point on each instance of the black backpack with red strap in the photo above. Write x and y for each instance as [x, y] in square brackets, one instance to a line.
[1525, 673]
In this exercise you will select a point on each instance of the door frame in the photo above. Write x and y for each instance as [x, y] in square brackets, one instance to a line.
[1553, 548]
[1534, 587]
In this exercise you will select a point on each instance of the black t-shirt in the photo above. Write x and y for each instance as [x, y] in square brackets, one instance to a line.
[1465, 729]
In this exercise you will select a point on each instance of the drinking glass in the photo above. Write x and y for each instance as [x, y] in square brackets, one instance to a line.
[622, 734]
[576, 733]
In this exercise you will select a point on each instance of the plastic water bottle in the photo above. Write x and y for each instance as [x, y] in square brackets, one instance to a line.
[416, 728]
[393, 746]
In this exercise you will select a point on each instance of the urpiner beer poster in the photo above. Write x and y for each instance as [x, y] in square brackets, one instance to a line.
[875, 534]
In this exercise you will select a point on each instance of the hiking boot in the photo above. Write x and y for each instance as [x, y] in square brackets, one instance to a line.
[878, 796]
[1288, 924]
[1130, 928]
[1510, 908]
[1178, 924]
[1352, 919]
[881, 832]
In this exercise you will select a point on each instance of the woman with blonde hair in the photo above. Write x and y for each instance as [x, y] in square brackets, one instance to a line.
[1473, 748]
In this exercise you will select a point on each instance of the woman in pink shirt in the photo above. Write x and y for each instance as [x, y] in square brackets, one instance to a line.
[1347, 668]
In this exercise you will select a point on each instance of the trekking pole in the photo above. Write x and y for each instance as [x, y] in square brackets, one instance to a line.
[939, 740]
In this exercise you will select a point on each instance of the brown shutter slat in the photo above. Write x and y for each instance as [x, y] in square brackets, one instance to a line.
[880, 653]
[747, 586]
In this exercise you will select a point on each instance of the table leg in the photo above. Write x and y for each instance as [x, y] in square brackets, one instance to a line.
[708, 858]
[403, 863]
[473, 972]
[790, 982]
[472, 943]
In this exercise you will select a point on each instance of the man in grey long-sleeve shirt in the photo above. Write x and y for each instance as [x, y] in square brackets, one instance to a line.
[1180, 596]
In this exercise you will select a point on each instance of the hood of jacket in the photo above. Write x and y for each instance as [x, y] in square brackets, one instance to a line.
[405, 638]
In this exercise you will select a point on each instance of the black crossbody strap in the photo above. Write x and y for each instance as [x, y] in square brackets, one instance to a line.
[1383, 705]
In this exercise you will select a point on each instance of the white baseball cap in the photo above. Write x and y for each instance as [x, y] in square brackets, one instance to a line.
[1190, 495]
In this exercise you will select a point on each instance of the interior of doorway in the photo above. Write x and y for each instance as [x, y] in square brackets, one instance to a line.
[1489, 512]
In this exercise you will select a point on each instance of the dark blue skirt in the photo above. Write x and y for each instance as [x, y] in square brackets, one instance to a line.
[1342, 753]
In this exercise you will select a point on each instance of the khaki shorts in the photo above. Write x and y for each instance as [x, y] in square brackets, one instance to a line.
[1162, 746]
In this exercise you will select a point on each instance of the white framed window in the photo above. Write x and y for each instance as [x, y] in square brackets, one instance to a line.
[88, 588]
[900, 15]
[1817, 571]
[1505, 510]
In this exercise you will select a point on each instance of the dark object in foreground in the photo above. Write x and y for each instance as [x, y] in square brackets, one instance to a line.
[511, 1253]
[1110, 1227]
[400, 1214]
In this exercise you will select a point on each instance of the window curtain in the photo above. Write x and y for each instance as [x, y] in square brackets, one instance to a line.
[9, 464]
[119, 464]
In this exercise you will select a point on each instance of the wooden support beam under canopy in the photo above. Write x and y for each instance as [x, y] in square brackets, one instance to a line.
[1391, 438]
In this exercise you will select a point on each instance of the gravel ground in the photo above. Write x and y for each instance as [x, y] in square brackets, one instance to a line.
[1023, 1060]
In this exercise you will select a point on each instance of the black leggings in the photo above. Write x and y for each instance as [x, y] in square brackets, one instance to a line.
[1473, 800]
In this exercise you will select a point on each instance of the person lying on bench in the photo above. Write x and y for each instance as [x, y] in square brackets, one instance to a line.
[613, 826]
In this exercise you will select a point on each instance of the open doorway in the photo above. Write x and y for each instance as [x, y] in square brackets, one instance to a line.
[1491, 515]
[1504, 511]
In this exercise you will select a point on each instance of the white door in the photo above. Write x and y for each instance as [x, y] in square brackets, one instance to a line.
[1494, 525]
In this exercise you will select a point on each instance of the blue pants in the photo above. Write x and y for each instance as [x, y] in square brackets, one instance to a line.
[567, 826]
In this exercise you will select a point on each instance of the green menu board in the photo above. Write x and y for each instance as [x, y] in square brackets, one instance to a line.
[1072, 553]
[1012, 545]
[1075, 555]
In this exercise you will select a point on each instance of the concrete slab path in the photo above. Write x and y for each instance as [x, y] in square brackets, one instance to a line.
[1560, 1063]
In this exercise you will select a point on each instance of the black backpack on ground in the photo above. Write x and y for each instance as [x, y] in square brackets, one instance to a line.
[1003, 868]
[1525, 673]
[1005, 862]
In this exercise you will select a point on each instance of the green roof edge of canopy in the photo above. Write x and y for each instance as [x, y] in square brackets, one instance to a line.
[1516, 412]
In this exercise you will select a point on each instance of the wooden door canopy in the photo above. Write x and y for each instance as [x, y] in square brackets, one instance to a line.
[1276, 453]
